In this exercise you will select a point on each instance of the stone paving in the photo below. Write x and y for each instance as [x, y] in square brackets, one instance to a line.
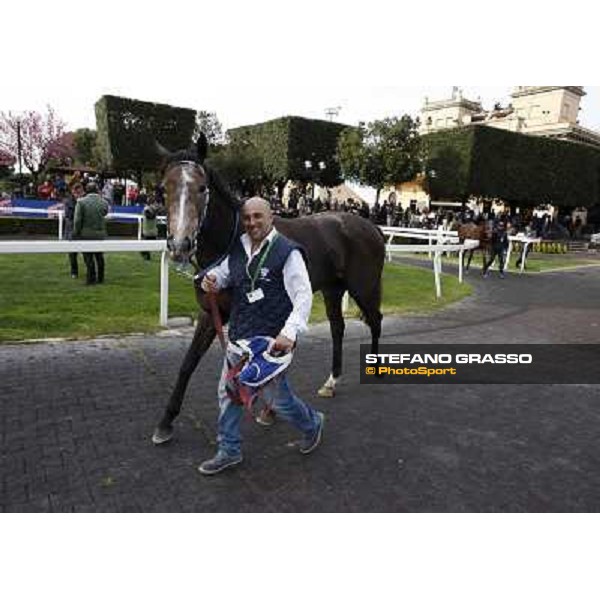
[77, 417]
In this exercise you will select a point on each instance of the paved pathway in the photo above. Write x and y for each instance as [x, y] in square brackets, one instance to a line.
[76, 420]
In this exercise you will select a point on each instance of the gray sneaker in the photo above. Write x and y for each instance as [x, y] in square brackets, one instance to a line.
[311, 442]
[219, 462]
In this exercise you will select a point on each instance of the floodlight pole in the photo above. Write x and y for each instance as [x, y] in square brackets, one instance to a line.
[19, 155]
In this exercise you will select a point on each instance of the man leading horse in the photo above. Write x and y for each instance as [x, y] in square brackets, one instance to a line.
[271, 298]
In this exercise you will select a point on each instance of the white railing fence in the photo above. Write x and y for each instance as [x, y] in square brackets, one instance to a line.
[439, 241]
[65, 247]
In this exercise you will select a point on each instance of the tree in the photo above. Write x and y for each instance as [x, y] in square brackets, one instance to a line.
[42, 138]
[6, 163]
[241, 164]
[86, 153]
[208, 123]
[381, 153]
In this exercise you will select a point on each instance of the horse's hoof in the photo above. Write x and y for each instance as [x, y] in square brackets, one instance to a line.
[162, 435]
[326, 392]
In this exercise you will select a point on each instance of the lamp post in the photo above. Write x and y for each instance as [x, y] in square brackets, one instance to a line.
[314, 171]
[431, 177]
[20, 156]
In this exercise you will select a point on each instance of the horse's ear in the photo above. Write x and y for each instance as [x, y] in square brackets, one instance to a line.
[162, 151]
[201, 147]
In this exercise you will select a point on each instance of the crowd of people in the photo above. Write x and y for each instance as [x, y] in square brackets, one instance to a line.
[388, 213]
[59, 187]
[392, 214]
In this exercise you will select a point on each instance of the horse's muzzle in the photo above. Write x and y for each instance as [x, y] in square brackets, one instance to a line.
[180, 250]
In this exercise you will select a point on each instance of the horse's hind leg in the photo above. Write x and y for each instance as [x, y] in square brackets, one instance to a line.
[470, 253]
[203, 337]
[333, 306]
[368, 299]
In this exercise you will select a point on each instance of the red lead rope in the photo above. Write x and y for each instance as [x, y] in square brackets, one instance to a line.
[216, 315]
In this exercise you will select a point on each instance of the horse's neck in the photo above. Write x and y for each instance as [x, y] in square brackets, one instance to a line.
[221, 227]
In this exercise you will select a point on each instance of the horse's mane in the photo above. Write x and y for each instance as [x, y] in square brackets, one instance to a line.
[219, 186]
[222, 218]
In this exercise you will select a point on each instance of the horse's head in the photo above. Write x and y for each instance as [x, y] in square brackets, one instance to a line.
[187, 195]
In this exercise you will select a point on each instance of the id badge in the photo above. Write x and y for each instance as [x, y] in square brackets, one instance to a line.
[255, 296]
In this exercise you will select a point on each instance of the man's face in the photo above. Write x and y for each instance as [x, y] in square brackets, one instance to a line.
[257, 220]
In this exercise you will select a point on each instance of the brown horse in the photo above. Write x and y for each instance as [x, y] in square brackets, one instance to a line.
[344, 253]
[475, 231]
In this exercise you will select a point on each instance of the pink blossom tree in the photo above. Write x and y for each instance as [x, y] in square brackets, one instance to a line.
[42, 138]
[6, 158]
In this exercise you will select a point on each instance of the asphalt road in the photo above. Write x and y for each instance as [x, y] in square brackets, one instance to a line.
[77, 418]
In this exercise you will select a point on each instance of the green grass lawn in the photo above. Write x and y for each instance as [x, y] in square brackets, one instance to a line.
[536, 263]
[38, 299]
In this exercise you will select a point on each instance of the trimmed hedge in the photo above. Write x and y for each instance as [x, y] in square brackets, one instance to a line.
[523, 169]
[449, 159]
[285, 144]
[127, 130]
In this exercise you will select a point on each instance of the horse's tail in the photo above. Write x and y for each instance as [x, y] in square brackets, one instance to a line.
[377, 298]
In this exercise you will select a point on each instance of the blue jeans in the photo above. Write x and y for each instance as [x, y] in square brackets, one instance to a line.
[277, 393]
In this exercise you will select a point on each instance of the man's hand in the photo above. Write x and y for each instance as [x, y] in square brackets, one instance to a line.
[283, 345]
[209, 283]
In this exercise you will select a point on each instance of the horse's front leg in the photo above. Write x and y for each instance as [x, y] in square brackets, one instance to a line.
[203, 337]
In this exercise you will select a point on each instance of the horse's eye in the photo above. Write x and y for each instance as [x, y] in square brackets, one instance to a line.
[202, 189]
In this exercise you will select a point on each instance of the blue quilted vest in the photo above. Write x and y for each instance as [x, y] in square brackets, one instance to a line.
[267, 316]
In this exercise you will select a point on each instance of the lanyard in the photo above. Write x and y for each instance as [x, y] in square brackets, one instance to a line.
[261, 262]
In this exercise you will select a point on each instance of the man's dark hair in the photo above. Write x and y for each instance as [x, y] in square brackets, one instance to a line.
[91, 187]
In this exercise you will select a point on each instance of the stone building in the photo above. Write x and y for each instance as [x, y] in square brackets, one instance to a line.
[548, 111]
[544, 110]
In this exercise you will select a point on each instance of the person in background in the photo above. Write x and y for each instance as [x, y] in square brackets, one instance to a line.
[149, 223]
[500, 244]
[45, 190]
[132, 194]
[108, 191]
[142, 198]
[60, 185]
[118, 193]
[90, 224]
[70, 205]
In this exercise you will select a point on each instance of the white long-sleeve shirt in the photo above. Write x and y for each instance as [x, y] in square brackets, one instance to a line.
[295, 279]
